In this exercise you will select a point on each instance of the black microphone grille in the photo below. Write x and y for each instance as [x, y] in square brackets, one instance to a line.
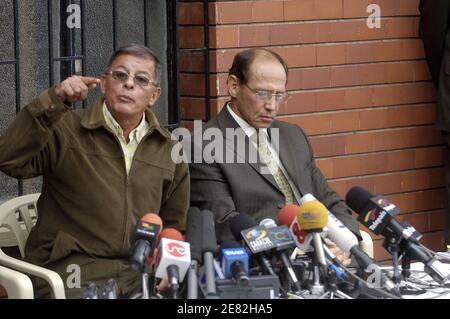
[209, 242]
[240, 222]
[194, 232]
[357, 198]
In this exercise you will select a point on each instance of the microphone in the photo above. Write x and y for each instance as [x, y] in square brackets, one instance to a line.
[378, 215]
[194, 238]
[348, 242]
[209, 249]
[91, 291]
[110, 289]
[288, 216]
[243, 227]
[235, 262]
[313, 217]
[173, 259]
[143, 240]
[283, 240]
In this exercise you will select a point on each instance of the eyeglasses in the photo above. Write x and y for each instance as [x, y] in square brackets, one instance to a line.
[266, 96]
[139, 79]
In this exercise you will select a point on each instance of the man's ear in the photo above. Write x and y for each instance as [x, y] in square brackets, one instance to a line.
[233, 84]
[154, 96]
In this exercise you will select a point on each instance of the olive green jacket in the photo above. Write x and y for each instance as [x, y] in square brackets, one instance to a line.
[89, 207]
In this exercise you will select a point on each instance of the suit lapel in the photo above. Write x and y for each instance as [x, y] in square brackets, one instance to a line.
[225, 120]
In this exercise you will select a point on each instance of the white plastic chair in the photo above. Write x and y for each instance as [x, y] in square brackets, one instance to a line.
[17, 285]
[25, 207]
[367, 243]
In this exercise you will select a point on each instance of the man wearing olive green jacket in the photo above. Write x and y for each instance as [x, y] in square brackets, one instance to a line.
[103, 168]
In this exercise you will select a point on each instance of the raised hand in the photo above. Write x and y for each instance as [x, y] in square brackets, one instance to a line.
[75, 88]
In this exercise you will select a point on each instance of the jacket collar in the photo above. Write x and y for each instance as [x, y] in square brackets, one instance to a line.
[93, 119]
[285, 149]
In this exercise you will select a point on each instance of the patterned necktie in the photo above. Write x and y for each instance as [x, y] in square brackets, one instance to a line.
[277, 173]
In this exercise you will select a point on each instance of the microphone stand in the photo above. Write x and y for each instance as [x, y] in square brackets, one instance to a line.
[316, 288]
[393, 244]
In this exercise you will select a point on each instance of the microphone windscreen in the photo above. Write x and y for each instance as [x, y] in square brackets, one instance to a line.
[240, 222]
[209, 242]
[357, 199]
[194, 233]
[171, 233]
[228, 244]
[312, 215]
[287, 214]
[152, 219]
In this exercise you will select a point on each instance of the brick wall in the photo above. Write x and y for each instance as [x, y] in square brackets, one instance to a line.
[363, 95]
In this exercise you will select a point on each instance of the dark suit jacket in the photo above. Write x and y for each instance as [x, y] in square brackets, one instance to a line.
[228, 188]
[434, 29]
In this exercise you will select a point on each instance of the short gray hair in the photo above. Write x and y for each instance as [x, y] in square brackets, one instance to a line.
[139, 51]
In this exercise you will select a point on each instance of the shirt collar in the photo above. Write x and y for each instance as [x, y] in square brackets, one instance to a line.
[248, 129]
[138, 133]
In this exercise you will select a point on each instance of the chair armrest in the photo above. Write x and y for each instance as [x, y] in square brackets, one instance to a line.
[50, 276]
[17, 285]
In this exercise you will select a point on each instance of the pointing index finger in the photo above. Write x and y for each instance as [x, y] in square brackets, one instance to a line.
[89, 81]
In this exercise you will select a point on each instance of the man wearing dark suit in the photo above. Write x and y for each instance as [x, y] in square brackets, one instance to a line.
[257, 86]
[434, 29]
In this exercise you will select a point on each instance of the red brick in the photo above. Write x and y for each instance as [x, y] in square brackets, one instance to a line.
[396, 117]
[267, 11]
[233, 12]
[435, 241]
[328, 9]
[388, 140]
[192, 108]
[218, 85]
[421, 200]
[403, 93]
[192, 84]
[223, 37]
[254, 36]
[399, 72]
[435, 156]
[299, 10]
[401, 27]
[225, 59]
[191, 37]
[331, 54]
[420, 221]
[328, 146]
[421, 71]
[409, 7]
[300, 102]
[438, 220]
[326, 167]
[192, 61]
[311, 124]
[298, 56]
[190, 13]
[315, 78]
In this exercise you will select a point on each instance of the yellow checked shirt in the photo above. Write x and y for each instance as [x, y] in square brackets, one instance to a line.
[136, 136]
